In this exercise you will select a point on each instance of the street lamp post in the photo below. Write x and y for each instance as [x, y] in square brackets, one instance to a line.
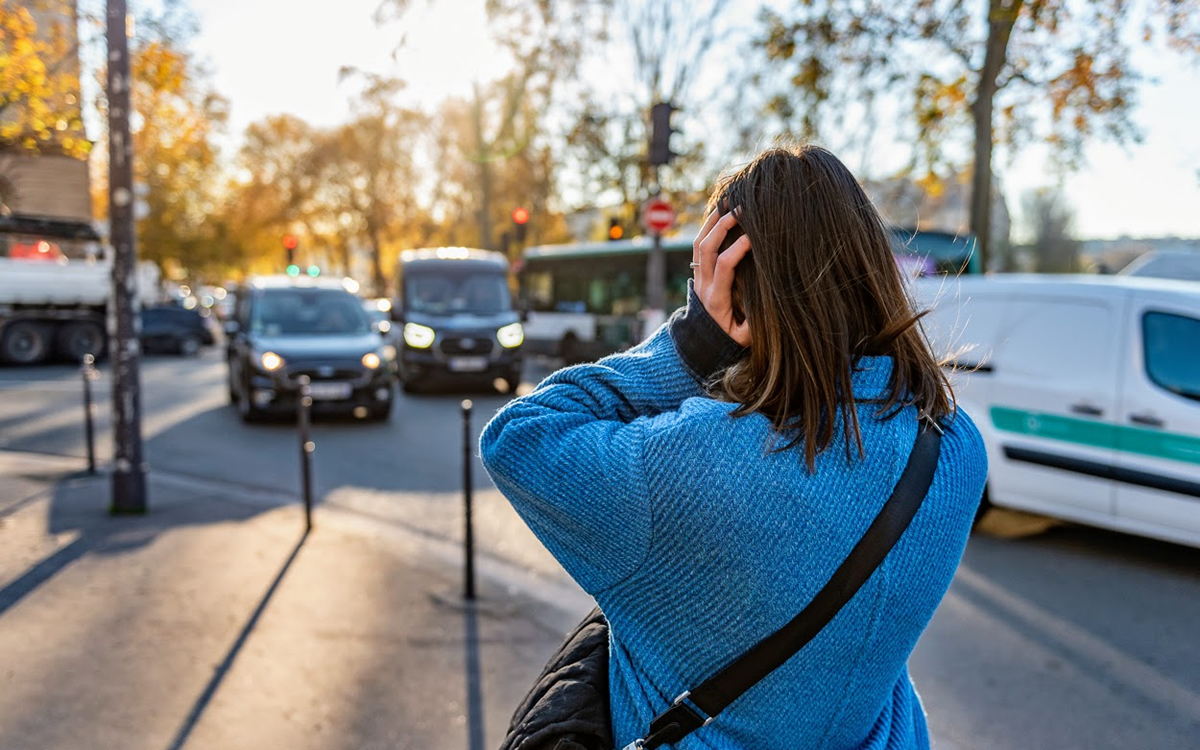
[129, 468]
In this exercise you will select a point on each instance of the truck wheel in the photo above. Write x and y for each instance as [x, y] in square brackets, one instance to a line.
[25, 342]
[79, 338]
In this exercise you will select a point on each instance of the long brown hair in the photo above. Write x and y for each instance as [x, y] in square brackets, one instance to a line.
[821, 289]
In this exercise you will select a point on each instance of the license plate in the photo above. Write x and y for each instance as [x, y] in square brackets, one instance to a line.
[330, 391]
[468, 364]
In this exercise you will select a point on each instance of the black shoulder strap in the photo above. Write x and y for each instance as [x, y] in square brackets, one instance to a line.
[714, 694]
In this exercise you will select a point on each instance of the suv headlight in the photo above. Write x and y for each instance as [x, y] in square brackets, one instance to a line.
[511, 336]
[418, 336]
[270, 361]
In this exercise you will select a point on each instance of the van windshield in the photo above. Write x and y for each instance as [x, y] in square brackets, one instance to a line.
[479, 293]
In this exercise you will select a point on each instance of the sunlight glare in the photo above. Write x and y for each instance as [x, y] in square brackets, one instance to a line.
[447, 49]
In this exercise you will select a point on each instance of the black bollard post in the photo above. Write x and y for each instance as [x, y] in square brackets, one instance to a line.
[89, 410]
[469, 535]
[303, 421]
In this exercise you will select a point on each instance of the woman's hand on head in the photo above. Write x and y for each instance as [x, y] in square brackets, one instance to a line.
[713, 273]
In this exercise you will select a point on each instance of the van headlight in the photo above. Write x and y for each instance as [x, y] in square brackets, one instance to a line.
[511, 336]
[270, 361]
[418, 336]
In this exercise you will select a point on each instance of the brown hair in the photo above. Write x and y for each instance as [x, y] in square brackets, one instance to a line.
[821, 289]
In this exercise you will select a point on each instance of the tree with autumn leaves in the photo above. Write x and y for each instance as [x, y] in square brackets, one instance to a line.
[989, 72]
[40, 108]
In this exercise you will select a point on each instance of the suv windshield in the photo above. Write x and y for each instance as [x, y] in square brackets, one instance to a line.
[306, 312]
[443, 293]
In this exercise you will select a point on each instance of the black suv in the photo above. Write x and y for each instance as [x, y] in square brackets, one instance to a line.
[283, 328]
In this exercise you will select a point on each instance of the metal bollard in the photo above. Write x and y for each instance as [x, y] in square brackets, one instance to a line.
[469, 535]
[303, 422]
[89, 410]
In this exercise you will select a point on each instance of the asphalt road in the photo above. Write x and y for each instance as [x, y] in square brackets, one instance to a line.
[1073, 638]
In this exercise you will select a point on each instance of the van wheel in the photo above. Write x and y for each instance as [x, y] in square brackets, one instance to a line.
[25, 342]
[569, 349]
[79, 338]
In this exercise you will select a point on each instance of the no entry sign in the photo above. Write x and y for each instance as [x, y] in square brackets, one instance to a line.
[658, 216]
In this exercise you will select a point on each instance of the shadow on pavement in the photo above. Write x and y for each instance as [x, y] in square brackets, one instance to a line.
[222, 669]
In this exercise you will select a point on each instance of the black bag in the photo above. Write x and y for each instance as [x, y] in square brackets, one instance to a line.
[568, 708]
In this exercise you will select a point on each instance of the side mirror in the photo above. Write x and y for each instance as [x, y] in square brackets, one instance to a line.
[231, 327]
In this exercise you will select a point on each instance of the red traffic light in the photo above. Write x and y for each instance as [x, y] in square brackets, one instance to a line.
[520, 215]
[290, 242]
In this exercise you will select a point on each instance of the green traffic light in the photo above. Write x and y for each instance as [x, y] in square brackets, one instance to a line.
[293, 270]
[314, 271]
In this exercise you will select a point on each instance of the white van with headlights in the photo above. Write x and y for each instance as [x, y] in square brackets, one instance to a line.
[1086, 390]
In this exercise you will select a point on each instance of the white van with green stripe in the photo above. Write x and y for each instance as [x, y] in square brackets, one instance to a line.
[1086, 390]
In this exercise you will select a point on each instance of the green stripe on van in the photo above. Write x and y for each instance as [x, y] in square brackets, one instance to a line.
[1156, 443]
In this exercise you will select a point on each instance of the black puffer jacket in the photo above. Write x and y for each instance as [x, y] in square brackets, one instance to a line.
[567, 709]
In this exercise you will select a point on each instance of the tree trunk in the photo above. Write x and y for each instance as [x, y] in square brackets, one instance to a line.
[1002, 15]
[378, 280]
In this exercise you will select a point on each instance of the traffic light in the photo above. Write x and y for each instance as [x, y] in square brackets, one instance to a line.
[293, 270]
[615, 230]
[314, 271]
[289, 245]
[520, 217]
[660, 134]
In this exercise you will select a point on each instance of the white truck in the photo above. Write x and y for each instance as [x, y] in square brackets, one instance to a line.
[1086, 390]
[55, 285]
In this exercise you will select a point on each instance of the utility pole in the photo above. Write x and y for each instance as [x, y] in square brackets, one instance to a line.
[129, 467]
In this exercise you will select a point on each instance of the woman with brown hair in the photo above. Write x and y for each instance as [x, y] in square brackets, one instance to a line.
[705, 485]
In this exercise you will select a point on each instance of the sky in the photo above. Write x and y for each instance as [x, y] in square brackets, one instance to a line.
[283, 56]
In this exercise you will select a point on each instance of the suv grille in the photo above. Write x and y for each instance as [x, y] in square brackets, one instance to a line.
[315, 372]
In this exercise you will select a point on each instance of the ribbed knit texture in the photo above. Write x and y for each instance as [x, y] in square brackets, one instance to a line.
[697, 542]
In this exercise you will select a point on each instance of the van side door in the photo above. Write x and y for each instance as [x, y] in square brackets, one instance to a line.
[1053, 401]
[1158, 474]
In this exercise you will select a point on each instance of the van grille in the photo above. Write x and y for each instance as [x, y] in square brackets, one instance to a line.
[467, 345]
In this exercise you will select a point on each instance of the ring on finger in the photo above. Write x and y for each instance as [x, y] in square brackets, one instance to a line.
[693, 265]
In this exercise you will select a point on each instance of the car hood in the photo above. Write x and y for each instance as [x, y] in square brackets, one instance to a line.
[464, 322]
[300, 348]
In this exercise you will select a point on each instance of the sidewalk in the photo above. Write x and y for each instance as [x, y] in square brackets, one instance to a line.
[214, 622]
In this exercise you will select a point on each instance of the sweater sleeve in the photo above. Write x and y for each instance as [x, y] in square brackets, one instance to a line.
[569, 456]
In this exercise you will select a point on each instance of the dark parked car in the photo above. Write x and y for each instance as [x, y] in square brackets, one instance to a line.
[175, 330]
[284, 328]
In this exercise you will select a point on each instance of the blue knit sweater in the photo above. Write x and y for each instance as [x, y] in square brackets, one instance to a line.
[697, 543]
